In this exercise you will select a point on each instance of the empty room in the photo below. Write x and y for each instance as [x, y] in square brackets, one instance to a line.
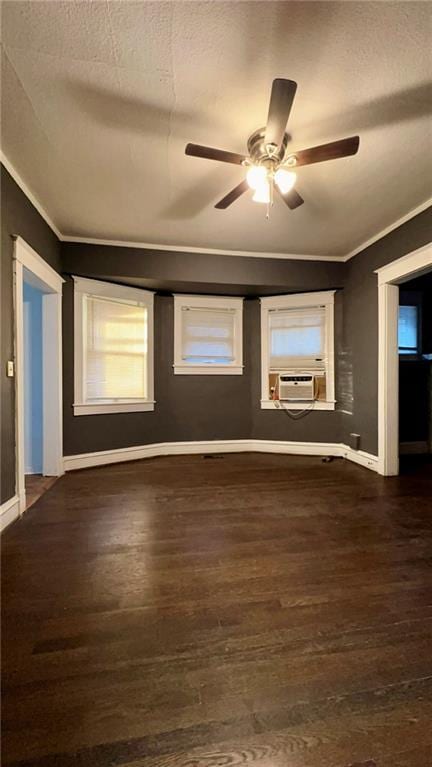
[216, 383]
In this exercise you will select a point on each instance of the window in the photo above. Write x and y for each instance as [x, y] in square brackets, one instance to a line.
[113, 348]
[207, 335]
[297, 336]
[408, 330]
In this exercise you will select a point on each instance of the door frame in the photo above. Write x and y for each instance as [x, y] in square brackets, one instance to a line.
[389, 278]
[31, 268]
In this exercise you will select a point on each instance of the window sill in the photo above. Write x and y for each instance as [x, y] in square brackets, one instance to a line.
[268, 404]
[113, 407]
[208, 370]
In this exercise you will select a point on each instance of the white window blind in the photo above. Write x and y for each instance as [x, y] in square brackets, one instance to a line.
[115, 343]
[297, 338]
[207, 336]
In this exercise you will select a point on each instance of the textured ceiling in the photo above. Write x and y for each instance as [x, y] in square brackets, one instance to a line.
[100, 98]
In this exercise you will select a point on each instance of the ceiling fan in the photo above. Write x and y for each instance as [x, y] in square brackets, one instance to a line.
[268, 164]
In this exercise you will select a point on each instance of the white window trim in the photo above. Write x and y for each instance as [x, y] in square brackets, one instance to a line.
[293, 301]
[84, 286]
[208, 302]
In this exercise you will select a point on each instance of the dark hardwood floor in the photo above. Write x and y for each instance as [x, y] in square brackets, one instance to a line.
[35, 486]
[256, 610]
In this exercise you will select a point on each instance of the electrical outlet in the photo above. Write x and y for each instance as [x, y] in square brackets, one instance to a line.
[10, 372]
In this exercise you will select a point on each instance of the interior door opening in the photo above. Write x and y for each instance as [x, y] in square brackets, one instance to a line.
[38, 374]
[415, 372]
[33, 344]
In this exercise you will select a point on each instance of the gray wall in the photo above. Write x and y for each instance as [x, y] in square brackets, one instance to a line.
[187, 407]
[191, 407]
[360, 330]
[18, 216]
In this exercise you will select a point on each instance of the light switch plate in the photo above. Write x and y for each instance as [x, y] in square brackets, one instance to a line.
[10, 369]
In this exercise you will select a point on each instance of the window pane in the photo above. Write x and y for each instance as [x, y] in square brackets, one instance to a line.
[297, 337]
[116, 350]
[407, 329]
[207, 337]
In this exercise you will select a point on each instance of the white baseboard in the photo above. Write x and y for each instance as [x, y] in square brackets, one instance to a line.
[104, 457]
[9, 512]
[286, 447]
[414, 448]
[153, 450]
[367, 460]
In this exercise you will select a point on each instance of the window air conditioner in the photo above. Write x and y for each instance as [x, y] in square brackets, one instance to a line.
[296, 386]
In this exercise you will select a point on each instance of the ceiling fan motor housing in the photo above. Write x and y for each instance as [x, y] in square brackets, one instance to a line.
[259, 150]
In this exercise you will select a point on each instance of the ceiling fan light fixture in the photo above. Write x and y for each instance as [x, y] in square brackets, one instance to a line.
[262, 193]
[256, 176]
[285, 179]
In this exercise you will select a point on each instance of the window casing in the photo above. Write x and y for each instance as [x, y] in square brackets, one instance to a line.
[297, 335]
[113, 340]
[208, 335]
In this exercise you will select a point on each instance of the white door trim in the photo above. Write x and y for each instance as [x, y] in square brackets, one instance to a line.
[29, 266]
[389, 277]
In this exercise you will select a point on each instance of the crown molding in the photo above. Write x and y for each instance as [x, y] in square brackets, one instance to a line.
[29, 194]
[403, 220]
[193, 249]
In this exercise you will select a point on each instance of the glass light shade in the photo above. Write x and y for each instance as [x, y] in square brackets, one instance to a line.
[256, 176]
[262, 193]
[285, 179]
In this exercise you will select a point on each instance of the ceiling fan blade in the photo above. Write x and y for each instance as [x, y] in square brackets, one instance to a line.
[209, 153]
[233, 195]
[333, 151]
[291, 198]
[281, 101]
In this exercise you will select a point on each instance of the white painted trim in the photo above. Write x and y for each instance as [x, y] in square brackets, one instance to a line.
[384, 232]
[18, 302]
[113, 407]
[367, 460]
[105, 457]
[299, 300]
[39, 268]
[194, 249]
[28, 264]
[388, 358]
[253, 254]
[288, 447]
[9, 512]
[210, 251]
[210, 303]
[82, 287]
[29, 194]
[112, 290]
[208, 370]
[52, 389]
[324, 298]
[269, 404]
[421, 447]
[407, 266]
[388, 379]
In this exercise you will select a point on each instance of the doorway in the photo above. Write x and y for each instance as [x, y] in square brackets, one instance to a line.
[390, 277]
[38, 381]
[415, 372]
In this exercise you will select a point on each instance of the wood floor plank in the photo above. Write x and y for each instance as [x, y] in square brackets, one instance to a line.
[251, 610]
